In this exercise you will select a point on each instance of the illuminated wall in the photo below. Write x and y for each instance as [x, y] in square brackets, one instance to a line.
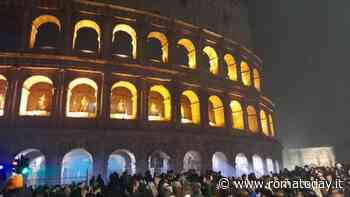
[123, 101]
[272, 127]
[159, 104]
[191, 52]
[121, 161]
[190, 107]
[242, 165]
[216, 112]
[89, 24]
[231, 67]
[159, 163]
[164, 44]
[3, 92]
[258, 166]
[192, 161]
[237, 115]
[213, 59]
[245, 71]
[257, 80]
[131, 32]
[38, 22]
[264, 123]
[269, 165]
[252, 119]
[77, 166]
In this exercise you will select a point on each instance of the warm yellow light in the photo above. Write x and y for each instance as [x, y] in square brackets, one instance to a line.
[3, 91]
[131, 31]
[213, 58]
[245, 70]
[40, 21]
[272, 127]
[191, 52]
[195, 107]
[87, 24]
[217, 111]
[264, 124]
[164, 42]
[122, 112]
[166, 104]
[257, 80]
[252, 119]
[231, 67]
[237, 115]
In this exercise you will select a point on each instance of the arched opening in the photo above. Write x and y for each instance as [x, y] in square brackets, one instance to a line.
[237, 115]
[252, 119]
[159, 163]
[37, 166]
[77, 166]
[11, 31]
[121, 161]
[87, 36]
[211, 57]
[258, 166]
[257, 80]
[190, 107]
[264, 123]
[192, 161]
[216, 112]
[3, 92]
[124, 41]
[231, 67]
[272, 127]
[159, 104]
[221, 164]
[269, 165]
[36, 96]
[82, 98]
[123, 101]
[242, 165]
[157, 47]
[45, 32]
[187, 57]
[245, 71]
[277, 166]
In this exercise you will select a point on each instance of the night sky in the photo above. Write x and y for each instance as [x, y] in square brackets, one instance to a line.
[305, 45]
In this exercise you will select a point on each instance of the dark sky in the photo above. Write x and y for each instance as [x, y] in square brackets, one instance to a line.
[305, 45]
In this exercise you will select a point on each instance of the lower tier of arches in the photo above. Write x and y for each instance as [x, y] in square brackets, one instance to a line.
[66, 156]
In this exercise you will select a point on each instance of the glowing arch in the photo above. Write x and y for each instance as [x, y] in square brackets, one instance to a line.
[36, 102]
[245, 71]
[87, 24]
[258, 166]
[191, 52]
[91, 105]
[257, 80]
[241, 165]
[192, 161]
[264, 123]
[122, 109]
[3, 92]
[269, 165]
[159, 162]
[121, 161]
[40, 21]
[77, 166]
[237, 115]
[195, 107]
[166, 104]
[213, 59]
[216, 112]
[277, 167]
[220, 164]
[252, 119]
[131, 31]
[164, 42]
[272, 127]
[231, 67]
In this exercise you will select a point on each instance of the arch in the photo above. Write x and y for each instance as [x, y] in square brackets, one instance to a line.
[131, 32]
[272, 127]
[277, 166]
[164, 44]
[82, 98]
[36, 96]
[159, 162]
[37, 166]
[241, 165]
[159, 104]
[245, 71]
[3, 93]
[257, 79]
[121, 161]
[269, 166]
[231, 67]
[123, 101]
[237, 115]
[77, 166]
[213, 59]
[36, 24]
[90, 25]
[258, 166]
[264, 123]
[252, 119]
[216, 112]
[192, 161]
[190, 107]
[220, 164]
[191, 52]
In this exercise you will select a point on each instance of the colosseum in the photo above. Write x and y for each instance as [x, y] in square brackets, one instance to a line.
[93, 87]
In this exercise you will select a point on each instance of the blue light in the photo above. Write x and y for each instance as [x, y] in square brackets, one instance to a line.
[2, 167]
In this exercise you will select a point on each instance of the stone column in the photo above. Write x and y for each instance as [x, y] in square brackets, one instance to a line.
[106, 41]
[175, 104]
[68, 29]
[259, 120]
[204, 109]
[105, 100]
[228, 112]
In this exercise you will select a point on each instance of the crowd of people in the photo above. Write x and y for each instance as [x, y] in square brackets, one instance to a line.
[191, 184]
